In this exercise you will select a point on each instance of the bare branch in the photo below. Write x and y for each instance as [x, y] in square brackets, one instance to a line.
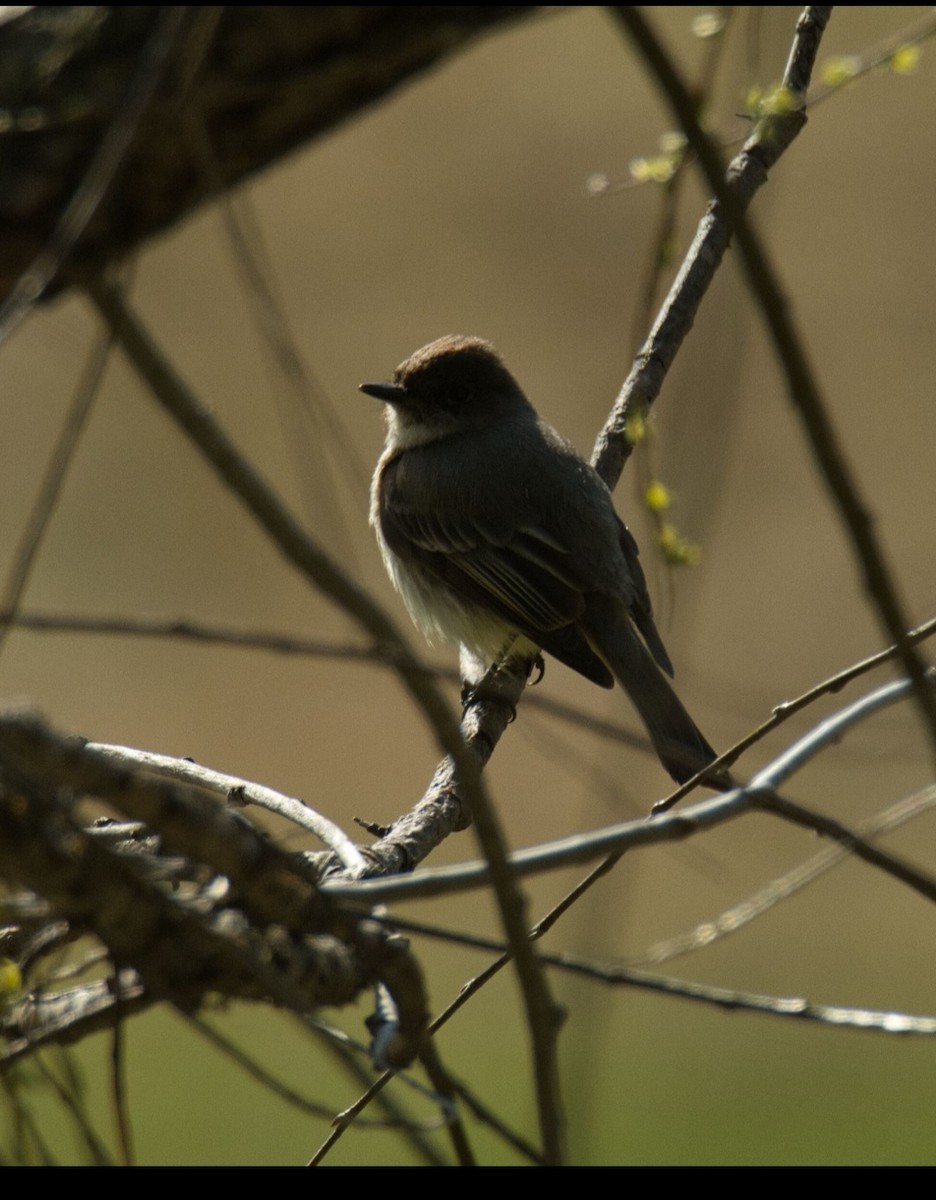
[728, 212]
[51, 486]
[748, 173]
[240, 791]
[264, 932]
[90, 85]
[674, 826]
[752, 907]
[789, 708]
[796, 1007]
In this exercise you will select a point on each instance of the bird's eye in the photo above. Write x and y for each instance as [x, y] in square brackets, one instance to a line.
[458, 394]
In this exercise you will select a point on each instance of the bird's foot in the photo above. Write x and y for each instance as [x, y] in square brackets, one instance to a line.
[486, 692]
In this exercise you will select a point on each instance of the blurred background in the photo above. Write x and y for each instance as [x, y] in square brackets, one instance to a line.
[462, 204]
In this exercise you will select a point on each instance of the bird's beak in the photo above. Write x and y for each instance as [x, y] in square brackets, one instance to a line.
[390, 393]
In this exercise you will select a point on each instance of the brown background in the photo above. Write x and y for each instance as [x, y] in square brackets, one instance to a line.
[460, 205]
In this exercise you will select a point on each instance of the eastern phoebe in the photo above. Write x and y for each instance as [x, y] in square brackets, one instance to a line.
[499, 537]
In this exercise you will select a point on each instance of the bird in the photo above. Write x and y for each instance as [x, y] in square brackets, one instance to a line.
[501, 539]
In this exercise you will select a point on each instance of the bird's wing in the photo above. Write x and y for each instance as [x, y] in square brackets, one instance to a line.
[640, 609]
[519, 572]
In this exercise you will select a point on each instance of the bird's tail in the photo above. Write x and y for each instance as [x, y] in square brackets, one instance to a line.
[678, 741]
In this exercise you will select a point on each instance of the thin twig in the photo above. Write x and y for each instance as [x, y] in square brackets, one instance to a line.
[829, 731]
[119, 1079]
[877, 55]
[752, 907]
[282, 643]
[654, 830]
[272, 320]
[858, 64]
[444, 1086]
[789, 708]
[242, 791]
[695, 276]
[351, 1057]
[345, 1119]
[97, 1151]
[892, 1022]
[775, 307]
[262, 1076]
[795, 1007]
[50, 489]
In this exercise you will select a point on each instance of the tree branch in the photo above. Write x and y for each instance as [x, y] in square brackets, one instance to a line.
[264, 80]
[728, 212]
